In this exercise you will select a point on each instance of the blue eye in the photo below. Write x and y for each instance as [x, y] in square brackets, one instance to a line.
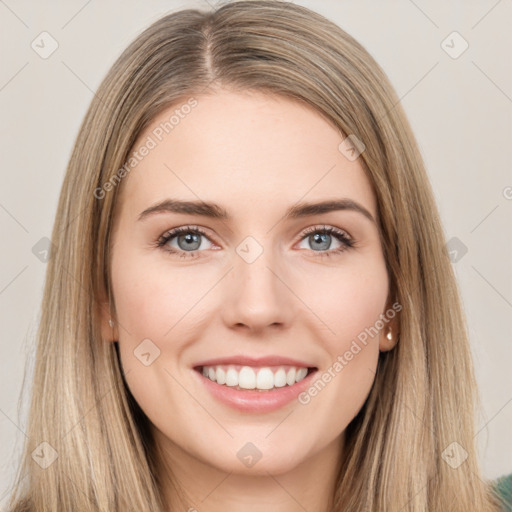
[188, 241]
[322, 238]
[187, 238]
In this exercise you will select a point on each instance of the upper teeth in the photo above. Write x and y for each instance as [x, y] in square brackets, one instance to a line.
[247, 377]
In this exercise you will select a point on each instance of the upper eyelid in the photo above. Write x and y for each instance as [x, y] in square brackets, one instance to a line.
[326, 227]
[172, 233]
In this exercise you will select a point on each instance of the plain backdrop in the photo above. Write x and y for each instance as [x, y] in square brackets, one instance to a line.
[451, 67]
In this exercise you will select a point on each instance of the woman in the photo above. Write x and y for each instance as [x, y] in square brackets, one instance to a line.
[249, 303]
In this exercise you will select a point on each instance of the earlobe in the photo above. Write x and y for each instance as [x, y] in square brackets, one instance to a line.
[389, 338]
[390, 333]
[109, 331]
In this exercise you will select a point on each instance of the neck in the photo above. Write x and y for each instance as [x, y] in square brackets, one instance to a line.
[193, 485]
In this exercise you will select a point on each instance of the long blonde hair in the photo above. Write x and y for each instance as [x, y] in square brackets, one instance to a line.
[424, 395]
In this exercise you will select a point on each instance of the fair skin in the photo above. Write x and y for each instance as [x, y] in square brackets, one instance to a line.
[255, 156]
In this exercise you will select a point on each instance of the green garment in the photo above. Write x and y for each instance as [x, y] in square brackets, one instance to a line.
[503, 486]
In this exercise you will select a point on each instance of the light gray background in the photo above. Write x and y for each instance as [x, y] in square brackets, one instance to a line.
[460, 109]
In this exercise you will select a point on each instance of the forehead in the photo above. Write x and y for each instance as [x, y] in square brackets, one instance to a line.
[247, 151]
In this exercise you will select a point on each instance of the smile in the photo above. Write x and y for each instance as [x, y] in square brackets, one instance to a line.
[257, 378]
[254, 385]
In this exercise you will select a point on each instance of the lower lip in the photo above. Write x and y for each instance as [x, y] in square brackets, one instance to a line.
[252, 400]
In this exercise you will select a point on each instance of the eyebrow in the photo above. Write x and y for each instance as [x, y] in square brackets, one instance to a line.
[215, 211]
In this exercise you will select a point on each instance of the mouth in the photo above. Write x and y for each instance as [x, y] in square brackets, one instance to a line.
[255, 378]
[256, 385]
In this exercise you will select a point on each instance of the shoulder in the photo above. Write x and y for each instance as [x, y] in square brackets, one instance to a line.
[503, 486]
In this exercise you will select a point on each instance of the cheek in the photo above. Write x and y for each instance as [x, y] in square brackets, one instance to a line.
[152, 300]
[157, 309]
[352, 303]
[360, 305]
[151, 308]
[349, 302]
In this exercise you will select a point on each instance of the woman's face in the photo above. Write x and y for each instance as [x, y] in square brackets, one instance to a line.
[269, 288]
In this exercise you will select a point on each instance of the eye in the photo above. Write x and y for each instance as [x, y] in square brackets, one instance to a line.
[187, 241]
[184, 241]
[320, 238]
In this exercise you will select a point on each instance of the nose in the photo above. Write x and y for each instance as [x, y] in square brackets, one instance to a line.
[258, 296]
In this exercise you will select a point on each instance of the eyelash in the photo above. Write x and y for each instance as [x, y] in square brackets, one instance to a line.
[347, 242]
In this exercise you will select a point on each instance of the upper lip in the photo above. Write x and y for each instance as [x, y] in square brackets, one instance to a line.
[272, 360]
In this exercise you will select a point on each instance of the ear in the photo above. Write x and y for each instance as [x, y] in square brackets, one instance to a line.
[391, 330]
[108, 324]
